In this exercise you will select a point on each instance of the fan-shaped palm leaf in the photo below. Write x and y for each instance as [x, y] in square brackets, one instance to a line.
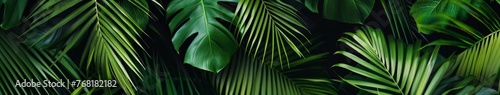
[272, 26]
[111, 30]
[20, 63]
[391, 66]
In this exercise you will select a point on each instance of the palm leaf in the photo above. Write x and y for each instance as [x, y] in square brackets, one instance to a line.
[391, 66]
[272, 26]
[402, 25]
[244, 75]
[481, 59]
[20, 63]
[166, 77]
[213, 45]
[111, 32]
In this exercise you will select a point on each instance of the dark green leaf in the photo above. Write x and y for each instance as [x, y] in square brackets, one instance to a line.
[12, 13]
[20, 63]
[213, 44]
[348, 11]
[425, 12]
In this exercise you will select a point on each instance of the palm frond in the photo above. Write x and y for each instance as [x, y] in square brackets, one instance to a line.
[166, 77]
[20, 63]
[481, 60]
[110, 30]
[244, 75]
[213, 44]
[402, 25]
[391, 66]
[272, 26]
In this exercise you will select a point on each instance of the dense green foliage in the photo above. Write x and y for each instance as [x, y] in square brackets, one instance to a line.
[256, 47]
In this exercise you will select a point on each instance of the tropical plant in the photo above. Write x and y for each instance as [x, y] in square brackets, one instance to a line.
[251, 46]
[391, 66]
[478, 58]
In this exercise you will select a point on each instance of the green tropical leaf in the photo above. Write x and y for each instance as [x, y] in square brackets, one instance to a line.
[213, 44]
[270, 26]
[12, 13]
[165, 77]
[348, 11]
[402, 25]
[20, 63]
[111, 32]
[312, 5]
[391, 66]
[481, 59]
[425, 12]
[244, 75]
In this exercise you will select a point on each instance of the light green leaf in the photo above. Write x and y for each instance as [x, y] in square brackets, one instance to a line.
[273, 27]
[110, 31]
[348, 11]
[392, 65]
[213, 44]
[481, 59]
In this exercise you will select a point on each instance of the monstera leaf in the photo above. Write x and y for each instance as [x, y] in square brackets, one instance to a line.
[213, 44]
[12, 13]
[348, 11]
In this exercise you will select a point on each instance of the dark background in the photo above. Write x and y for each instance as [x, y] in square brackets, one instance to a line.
[327, 30]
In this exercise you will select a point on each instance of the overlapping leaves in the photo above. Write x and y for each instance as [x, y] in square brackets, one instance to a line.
[480, 57]
[110, 30]
[391, 66]
[20, 63]
[246, 75]
[269, 26]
